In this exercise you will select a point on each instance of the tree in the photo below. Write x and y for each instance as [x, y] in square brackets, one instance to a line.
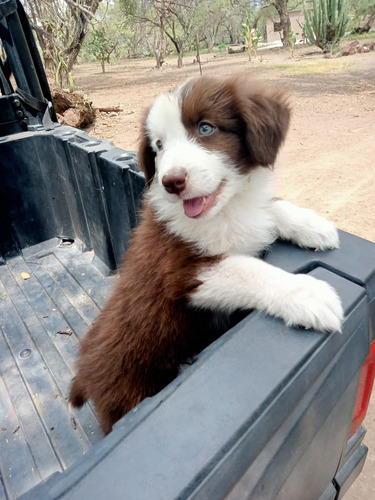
[264, 12]
[210, 16]
[174, 19]
[179, 25]
[160, 41]
[61, 27]
[235, 18]
[134, 38]
[281, 7]
[326, 23]
[101, 46]
[153, 13]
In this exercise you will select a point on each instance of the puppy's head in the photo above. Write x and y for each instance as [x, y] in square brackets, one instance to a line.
[199, 140]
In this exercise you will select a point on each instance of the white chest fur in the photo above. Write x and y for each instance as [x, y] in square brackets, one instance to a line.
[244, 225]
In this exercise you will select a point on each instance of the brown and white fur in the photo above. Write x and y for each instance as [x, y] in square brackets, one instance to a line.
[207, 152]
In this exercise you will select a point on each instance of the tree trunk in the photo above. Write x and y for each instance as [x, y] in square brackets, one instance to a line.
[210, 44]
[161, 48]
[179, 45]
[198, 57]
[49, 62]
[230, 34]
[80, 34]
[61, 37]
[179, 60]
[212, 39]
[48, 52]
[282, 9]
[72, 58]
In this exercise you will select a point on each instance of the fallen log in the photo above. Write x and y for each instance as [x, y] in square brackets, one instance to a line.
[72, 108]
[236, 49]
[111, 109]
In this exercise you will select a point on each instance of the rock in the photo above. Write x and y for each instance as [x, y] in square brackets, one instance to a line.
[354, 48]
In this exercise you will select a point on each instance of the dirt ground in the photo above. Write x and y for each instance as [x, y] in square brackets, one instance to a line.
[327, 162]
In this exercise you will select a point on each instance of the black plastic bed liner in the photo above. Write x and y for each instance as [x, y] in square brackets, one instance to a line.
[43, 314]
[67, 207]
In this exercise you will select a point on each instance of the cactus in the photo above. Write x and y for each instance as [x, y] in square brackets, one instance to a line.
[292, 38]
[326, 22]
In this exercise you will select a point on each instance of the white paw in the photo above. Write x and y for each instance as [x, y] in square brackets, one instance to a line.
[312, 303]
[317, 233]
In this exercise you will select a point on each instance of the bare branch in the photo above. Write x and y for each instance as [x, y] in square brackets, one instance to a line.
[84, 10]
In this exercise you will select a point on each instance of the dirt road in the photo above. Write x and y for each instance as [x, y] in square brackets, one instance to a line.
[327, 162]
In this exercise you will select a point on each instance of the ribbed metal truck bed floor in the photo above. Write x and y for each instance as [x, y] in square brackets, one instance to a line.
[43, 314]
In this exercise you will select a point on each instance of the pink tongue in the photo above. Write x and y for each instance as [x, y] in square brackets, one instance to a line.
[194, 207]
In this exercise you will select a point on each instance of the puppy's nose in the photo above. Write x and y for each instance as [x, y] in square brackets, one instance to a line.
[175, 181]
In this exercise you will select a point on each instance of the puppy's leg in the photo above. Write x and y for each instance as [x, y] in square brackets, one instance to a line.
[247, 282]
[304, 227]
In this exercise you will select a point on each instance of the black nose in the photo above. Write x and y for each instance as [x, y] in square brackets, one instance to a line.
[175, 181]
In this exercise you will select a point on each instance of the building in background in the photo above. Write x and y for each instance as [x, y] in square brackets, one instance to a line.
[273, 29]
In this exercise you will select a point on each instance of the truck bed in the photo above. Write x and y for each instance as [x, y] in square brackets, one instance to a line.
[260, 397]
[43, 315]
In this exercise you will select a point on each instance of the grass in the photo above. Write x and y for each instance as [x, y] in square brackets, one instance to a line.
[314, 67]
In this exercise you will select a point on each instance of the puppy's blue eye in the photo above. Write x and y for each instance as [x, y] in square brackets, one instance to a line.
[206, 129]
[159, 145]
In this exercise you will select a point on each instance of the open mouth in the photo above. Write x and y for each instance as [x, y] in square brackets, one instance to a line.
[196, 207]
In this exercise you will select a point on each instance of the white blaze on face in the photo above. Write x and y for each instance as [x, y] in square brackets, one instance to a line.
[164, 120]
[207, 172]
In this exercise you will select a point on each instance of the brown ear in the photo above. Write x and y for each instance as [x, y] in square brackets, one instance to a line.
[146, 157]
[266, 115]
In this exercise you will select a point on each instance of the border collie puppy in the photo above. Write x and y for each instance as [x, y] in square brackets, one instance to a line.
[207, 151]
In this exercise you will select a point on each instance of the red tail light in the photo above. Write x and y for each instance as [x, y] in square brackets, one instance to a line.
[366, 381]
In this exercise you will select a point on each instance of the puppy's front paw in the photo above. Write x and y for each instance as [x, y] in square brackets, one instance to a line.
[317, 233]
[312, 303]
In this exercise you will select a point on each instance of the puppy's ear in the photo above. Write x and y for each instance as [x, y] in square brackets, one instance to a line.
[266, 115]
[146, 157]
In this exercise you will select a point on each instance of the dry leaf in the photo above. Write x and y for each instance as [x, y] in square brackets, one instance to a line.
[25, 276]
[73, 422]
[65, 332]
